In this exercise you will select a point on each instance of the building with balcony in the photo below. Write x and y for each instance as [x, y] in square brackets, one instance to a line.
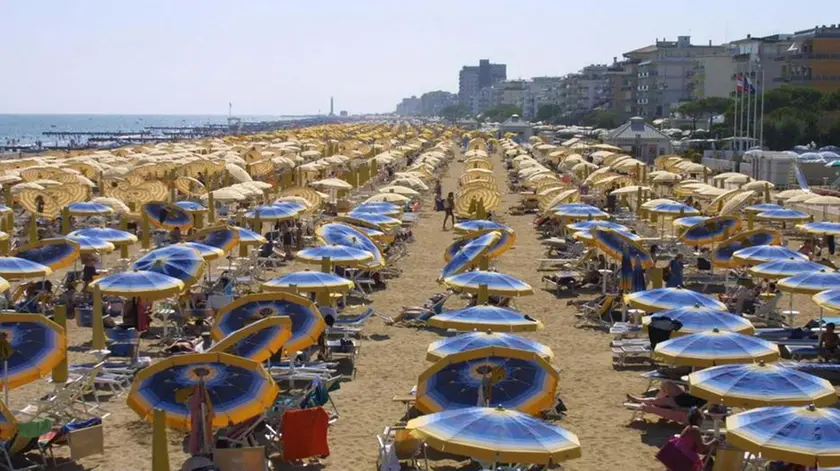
[471, 79]
[622, 88]
[541, 91]
[812, 59]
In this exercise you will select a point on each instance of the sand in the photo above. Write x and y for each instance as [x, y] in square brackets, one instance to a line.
[392, 357]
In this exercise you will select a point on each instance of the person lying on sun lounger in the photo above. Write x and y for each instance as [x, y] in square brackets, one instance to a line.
[671, 402]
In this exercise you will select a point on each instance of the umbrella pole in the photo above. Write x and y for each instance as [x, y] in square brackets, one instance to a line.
[326, 265]
[33, 229]
[65, 221]
[483, 295]
[59, 373]
[98, 341]
[160, 450]
[144, 226]
[6, 380]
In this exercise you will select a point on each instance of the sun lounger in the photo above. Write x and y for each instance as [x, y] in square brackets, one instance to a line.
[630, 354]
[396, 444]
[595, 313]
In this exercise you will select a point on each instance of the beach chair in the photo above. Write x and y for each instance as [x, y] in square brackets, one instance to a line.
[83, 438]
[430, 308]
[396, 445]
[12, 452]
[767, 312]
[69, 401]
[594, 314]
[349, 325]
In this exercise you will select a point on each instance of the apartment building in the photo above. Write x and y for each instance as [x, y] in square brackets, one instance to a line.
[812, 59]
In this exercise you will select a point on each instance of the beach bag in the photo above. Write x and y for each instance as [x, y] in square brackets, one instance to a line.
[675, 458]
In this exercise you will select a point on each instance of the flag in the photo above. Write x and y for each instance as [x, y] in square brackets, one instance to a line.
[747, 86]
[739, 83]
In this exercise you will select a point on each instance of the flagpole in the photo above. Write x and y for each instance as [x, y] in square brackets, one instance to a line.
[735, 131]
[747, 88]
[743, 123]
[761, 133]
[755, 106]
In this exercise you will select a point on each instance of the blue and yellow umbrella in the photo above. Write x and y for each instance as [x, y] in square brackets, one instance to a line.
[828, 299]
[688, 221]
[386, 209]
[191, 207]
[513, 379]
[505, 242]
[760, 384]
[498, 284]
[309, 282]
[336, 254]
[759, 254]
[238, 388]
[713, 347]
[167, 216]
[807, 435]
[55, 253]
[811, 282]
[257, 341]
[92, 245]
[763, 207]
[711, 230]
[485, 318]
[614, 243]
[142, 284]
[785, 268]
[208, 252]
[374, 221]
[783, 215]
[586, 226]
[578, 211]
[88, 208]
[475, 340]
[249, 237]
[478, 226]
[660, 299]
[722, 255]
[114, 236]
[697, 319]
[470, 254]
[177, 261]
[345, 235]
[37, 346]
[307, 323]
[14, 268]
[674, 209]
[222, 237]
[496, 434]
[283, 211]
[820, 228]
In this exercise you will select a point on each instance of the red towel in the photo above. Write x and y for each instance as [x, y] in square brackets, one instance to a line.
[305, 434]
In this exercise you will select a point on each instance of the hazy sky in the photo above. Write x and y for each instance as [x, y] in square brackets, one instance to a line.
[289, 57]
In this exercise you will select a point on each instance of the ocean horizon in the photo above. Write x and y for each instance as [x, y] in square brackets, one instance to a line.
[27, 129]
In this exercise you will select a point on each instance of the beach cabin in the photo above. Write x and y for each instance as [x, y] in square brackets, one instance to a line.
[516, 125]
[640, 139]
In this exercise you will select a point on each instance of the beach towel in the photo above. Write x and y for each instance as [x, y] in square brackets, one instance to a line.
[305, 434]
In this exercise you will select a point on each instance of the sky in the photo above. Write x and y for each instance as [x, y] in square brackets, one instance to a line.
[278, 57]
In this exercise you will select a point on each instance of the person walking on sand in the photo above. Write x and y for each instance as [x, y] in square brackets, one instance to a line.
[448, 205]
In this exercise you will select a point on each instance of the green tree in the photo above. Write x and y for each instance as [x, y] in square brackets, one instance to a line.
[549, 113]
[831, 101]
[714, 106]
[692, 111]
[833, 134]
[501, 113]
[603, 119]
[455, 112]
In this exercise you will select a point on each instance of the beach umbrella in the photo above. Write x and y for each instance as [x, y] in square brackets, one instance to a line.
[4, 285]
[257, 341]
[37, 346]
[733, 201]
[496, 434]
[763, 207]
[329, 255]
[783, 215]
[760, 384]
[807, 435]
[248, 237]
[696, 319]
[347, 236]
[402, 190]
[765, 253]
[785, 268]
[475, 340]
[586, 226]
[88, 208]
[167, 216]
[811, 282]
[613, 244]
[715, 347]
[388, 198]
[55, 253]
[487, 318]
[375, 208]
[375, 221]
[92, 245]
[470, 254]
[307, 323]
[722, 255]
[222, 237]
[505, 242]
[626, 272]
[820, 228]
[688, 221]
[674, 209]
[478, 226]
[498, 284]
[309, 282]
[14, 268]
[661, 299]
[143, 284]
[828, 299]
[238, 388]
[114, 236]
[178, 261]
[276, 212]
[208, 252]
[710, 231]
[514, 379]
[569, 211]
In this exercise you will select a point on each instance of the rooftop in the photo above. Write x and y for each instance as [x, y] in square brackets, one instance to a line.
[637, 128]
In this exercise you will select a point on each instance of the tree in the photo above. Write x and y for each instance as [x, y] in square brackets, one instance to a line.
[501, 112]
[549, 113]
[714, 106]
[602, 119]
[455, 112]
[692, 111]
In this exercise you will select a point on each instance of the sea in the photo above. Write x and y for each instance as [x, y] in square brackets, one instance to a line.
[27, 129]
